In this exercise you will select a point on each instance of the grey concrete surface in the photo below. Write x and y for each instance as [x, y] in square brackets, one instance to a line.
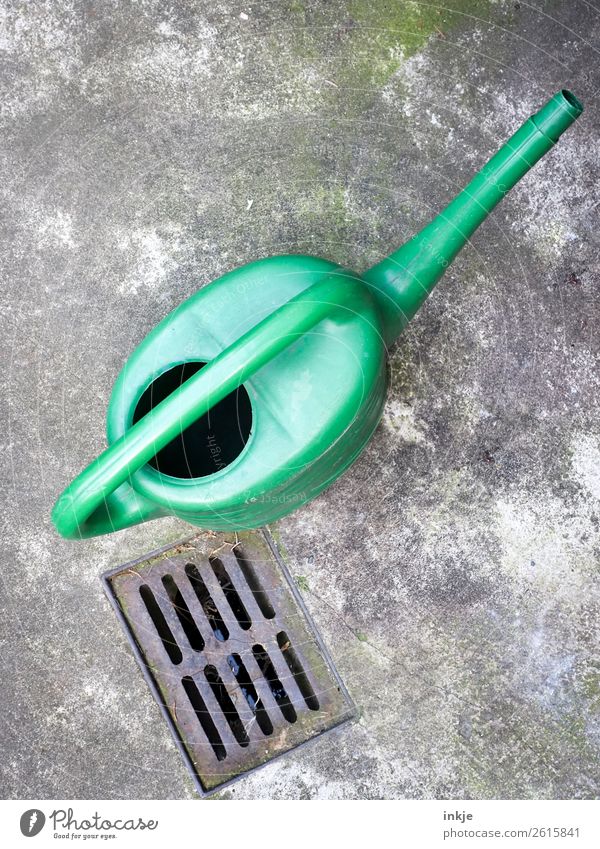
[147, 148]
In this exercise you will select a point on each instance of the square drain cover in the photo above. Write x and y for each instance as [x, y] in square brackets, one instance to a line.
[229, 651]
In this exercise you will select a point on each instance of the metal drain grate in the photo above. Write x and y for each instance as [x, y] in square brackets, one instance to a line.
[229, 651]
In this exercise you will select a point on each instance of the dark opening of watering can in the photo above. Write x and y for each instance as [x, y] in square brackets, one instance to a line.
[212, 442]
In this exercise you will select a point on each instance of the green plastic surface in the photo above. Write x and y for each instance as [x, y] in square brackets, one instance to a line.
[308, 341]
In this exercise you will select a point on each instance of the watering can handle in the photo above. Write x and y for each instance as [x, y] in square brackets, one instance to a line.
[73, 513]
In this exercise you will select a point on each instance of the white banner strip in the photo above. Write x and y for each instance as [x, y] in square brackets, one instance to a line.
[289, 824]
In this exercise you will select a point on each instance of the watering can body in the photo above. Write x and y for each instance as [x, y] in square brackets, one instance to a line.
[313, 406]
[293, 348]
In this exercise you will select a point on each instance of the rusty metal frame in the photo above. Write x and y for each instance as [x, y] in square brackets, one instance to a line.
[347, 715]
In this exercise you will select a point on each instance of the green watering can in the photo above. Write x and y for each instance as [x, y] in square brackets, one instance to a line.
[257, 392]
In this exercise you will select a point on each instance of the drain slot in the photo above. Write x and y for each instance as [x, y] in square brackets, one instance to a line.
[256, 588]
[161, 624]
[183, 613]
[227, 706]
[206, 601]
[236, 664]
[278, 691]
[297, 670]
[231, 594]
[204, 717]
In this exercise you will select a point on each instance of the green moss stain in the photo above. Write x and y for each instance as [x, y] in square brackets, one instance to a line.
[337, 61]
[326, 217]
[302, 583]
[276, 534]
[379, 36]
[325, 201]
[297, 8]
[590, 686]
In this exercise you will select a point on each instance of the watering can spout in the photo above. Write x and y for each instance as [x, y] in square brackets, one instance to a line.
[401, 282]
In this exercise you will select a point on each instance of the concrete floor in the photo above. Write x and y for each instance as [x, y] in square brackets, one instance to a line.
[149, 147]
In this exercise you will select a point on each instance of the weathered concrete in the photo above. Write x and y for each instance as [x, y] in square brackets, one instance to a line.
[149, 147]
